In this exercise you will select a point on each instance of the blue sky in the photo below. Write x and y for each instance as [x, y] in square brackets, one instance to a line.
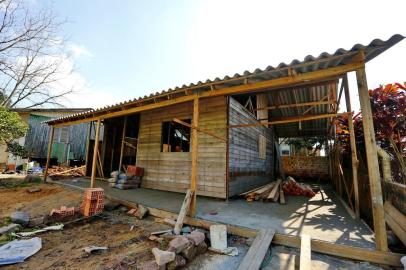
[125, 49]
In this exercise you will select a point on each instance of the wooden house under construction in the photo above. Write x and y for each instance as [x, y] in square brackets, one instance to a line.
[219, 137]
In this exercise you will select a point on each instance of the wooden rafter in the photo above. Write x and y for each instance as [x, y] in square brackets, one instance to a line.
[199, 129]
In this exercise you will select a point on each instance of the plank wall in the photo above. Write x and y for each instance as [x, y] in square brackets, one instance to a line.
[246, 169]
[172, 171]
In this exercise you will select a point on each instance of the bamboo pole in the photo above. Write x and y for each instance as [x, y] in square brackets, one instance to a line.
[372, 161]
[195, 144]
[354, 158]
[50, 143]
[95, 154]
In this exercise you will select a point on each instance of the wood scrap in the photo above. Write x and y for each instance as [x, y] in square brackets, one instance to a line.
[183, 211]
[305, 253]
[274, 194]
[66, 171]
[396, 221]
[281, 195]
[256, 254]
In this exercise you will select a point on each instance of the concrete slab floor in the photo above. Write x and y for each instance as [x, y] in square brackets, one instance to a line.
[322, 217]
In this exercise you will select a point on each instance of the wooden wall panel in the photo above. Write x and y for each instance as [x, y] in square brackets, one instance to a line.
[172, 171]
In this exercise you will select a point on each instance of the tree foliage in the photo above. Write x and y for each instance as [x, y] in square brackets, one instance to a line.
[388, 105]
[11, 126]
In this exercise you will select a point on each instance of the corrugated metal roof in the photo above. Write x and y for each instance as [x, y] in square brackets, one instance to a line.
[308, 64]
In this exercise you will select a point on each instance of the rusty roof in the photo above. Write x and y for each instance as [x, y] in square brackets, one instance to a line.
[308, 64]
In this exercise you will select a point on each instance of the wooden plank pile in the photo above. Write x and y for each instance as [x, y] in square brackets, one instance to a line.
[67, 171]
[271, 192]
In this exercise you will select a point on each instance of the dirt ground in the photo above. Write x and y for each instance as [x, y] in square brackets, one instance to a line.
[126, 237]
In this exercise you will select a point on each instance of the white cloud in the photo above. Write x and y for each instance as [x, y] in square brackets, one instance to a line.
[79, 50]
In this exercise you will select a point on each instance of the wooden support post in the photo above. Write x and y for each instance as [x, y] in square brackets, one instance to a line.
[305, 253]
[51, 139]
[95, 154]
[89, 132]
[183, 211]
[122, 144]
[354, 158]
[372, 161]
[195, 144]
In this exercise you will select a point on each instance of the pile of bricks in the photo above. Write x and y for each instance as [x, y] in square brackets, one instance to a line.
[93, 202]
[63, 212]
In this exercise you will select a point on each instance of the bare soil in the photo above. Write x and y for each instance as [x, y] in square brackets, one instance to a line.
[125, 236]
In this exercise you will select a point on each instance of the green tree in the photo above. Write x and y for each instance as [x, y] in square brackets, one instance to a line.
[11, 126]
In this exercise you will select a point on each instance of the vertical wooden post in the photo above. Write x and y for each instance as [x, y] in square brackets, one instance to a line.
[195, 144]
[354, 158]
[372, 161]
[95, 154]
[50, 143]
[89, 131]
[122, 144]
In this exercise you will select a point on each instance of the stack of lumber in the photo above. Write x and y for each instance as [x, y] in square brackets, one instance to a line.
[271, 192]
[67, 171]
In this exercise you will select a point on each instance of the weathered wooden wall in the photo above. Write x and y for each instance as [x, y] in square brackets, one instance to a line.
[246, 169]
[172, 170]
[305, 166]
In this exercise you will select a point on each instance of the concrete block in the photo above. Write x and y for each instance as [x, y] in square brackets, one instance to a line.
[178, 244]
[35, 222]
[141, 212]
[163, 257]
[218, 237]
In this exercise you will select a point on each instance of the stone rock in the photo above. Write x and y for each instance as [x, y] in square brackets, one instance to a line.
[179, 262]
[20, 218]
[32, 178]
[33, 190]
[197, 237]
[9, 228]
[178, 244]
[35, 222]
[190, 252]
[141, 212]
[163, 257]
[150, 265]
[201, 248]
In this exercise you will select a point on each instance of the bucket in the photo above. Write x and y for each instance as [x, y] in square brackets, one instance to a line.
[218, 236]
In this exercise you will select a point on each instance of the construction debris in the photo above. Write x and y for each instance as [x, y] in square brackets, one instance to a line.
[139, 212]
[93, 202]
[9, 228]
[67, 171]
[33, 190]
[21, 218]
[95, 249]
[62, 212]
[49, 228]
[276, 191]
[18, 250]
[128, 180]
[291, 187]
[218, 237]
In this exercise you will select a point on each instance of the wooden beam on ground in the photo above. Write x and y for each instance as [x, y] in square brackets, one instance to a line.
[122, 144]
[305, 253]
[354, 158]
[396, 221]
[95, 154]
[372, 161]
[289, 120]
[195, 148]
[50, 143]
[199, 129]
[69, 170]
[256, 254]
[313, 104]
[183, 211]
[323, 247]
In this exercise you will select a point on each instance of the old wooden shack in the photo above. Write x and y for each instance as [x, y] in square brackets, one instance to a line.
[218, 137]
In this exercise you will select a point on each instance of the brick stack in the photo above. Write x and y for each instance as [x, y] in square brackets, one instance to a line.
[93, 202]
[63, 212]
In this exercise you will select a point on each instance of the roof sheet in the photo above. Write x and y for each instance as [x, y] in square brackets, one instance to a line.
[308, 64]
